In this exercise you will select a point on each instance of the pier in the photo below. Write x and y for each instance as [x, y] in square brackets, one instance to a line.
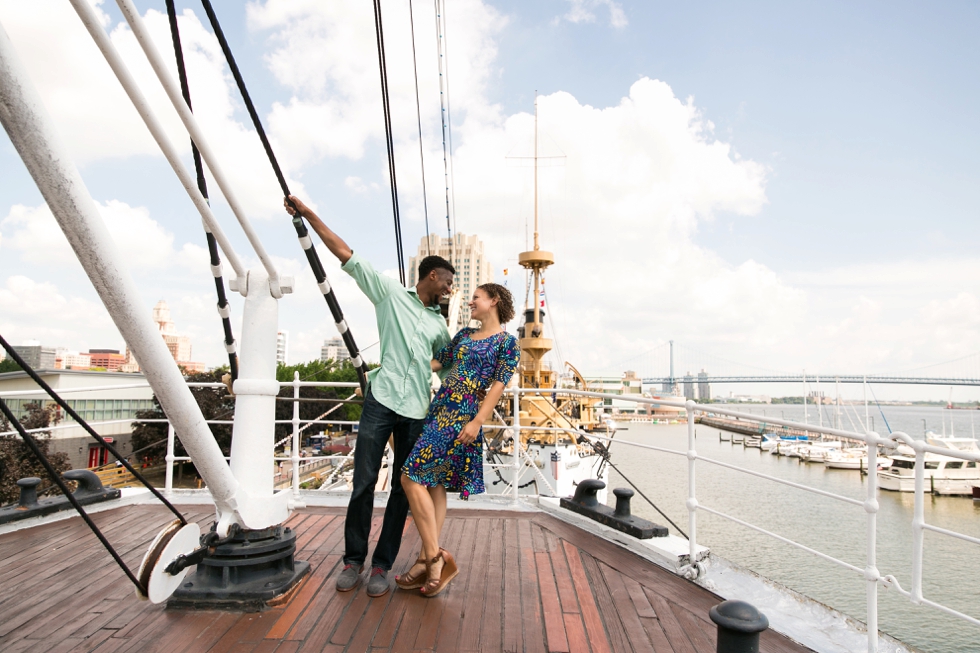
[755, 428]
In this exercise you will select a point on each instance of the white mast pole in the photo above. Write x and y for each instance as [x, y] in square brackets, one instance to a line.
[40, 147]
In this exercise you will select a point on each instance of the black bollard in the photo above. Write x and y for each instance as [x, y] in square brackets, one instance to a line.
[739, 625]
[28, 492]
[89, 483]
[623, 496]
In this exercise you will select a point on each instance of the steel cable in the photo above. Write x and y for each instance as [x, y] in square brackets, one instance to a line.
[81, 422]
[389, 141]
[57, 480]
[301, 231]
[216, 270]
[418, 112]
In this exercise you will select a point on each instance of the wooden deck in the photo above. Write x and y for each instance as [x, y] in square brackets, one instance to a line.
[529, 582]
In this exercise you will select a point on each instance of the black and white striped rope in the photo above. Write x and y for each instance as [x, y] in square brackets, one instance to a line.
[301, 231]
[216, 269]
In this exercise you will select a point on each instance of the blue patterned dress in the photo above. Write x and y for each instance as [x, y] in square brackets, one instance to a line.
[438, 457]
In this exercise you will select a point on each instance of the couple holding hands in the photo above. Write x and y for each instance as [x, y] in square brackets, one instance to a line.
[438, 447]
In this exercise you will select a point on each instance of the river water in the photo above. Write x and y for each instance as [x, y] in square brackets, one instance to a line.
[822, 523]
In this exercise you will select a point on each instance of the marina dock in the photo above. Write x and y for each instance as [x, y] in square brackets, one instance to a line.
[755, 428]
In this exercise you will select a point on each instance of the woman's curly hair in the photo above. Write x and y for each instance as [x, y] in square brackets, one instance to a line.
[505, 301]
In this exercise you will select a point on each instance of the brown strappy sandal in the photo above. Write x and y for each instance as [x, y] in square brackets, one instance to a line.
[409, 582]
[449, 571]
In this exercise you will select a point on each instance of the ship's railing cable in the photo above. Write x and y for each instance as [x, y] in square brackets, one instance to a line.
[202, 185]
[16, 357]
[57, 480]
[301, 231]
[386, 105]
[418, 112]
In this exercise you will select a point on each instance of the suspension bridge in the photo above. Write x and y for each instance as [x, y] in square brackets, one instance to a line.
[672, 364]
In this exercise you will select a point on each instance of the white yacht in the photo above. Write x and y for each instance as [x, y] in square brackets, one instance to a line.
[943, 475]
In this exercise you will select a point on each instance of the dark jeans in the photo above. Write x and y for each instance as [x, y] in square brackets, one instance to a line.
[377, 423]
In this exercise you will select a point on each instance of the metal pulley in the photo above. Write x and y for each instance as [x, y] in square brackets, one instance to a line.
[172, 542]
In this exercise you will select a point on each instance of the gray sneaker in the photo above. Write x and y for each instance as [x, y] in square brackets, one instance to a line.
[349, 578]
[378, 583]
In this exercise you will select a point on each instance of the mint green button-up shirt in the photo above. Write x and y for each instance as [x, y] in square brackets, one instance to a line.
[411, 335]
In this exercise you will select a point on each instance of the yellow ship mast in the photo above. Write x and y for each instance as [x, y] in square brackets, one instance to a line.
[533, 345]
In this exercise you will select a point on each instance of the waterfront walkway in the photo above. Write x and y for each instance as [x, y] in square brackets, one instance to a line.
[529, 582]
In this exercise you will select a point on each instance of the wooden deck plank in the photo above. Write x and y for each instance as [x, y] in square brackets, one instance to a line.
[476, 581]
[626, 610]
[673, 629]
[656, 634]
[583, 592]
[697, 630]
[434, 608]
[452, 616]
[554, 624]
[563, 578]
[578, 642]
[532, 620]
[313, 583]
[618, 641]
[409, 552]
[528, 582]
[490, 620]
[512, 635]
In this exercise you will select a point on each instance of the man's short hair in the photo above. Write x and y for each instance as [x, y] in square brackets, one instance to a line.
[430, 263]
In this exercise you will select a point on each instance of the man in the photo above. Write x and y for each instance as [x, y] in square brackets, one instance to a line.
[412, 330]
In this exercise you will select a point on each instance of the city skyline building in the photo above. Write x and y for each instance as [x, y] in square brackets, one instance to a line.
[282, 347]
[333, 349]
[466, 254]
[179, 346]
[37, 356]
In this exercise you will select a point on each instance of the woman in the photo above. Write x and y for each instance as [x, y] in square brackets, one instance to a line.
[449, 453]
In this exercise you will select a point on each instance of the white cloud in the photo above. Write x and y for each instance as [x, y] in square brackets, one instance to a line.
[622, 213]
[37, 310]
[97, 120]
[142, 242]
[583, 11]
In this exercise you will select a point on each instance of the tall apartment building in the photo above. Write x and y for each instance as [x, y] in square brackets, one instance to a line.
[333, 349]
[466, 255]
[282, 347]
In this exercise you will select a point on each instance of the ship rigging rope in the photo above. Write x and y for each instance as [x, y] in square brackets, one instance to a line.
[57, 480]
[81, 422]
[301, 231]
[418, 113]
[444, 121]
[216, 270]
[386, 105]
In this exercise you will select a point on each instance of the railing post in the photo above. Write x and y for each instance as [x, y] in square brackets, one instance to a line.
[918, 520]
[692, 501]
[871, 573]
[517, 444]
[295, 454]
[168, 487]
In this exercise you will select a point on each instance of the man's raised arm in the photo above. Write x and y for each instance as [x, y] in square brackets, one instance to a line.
[334, 243]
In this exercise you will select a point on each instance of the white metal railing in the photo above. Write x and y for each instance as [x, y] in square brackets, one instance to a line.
[869, 572]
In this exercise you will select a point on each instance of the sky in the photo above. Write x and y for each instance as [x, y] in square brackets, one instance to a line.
[784, 186]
